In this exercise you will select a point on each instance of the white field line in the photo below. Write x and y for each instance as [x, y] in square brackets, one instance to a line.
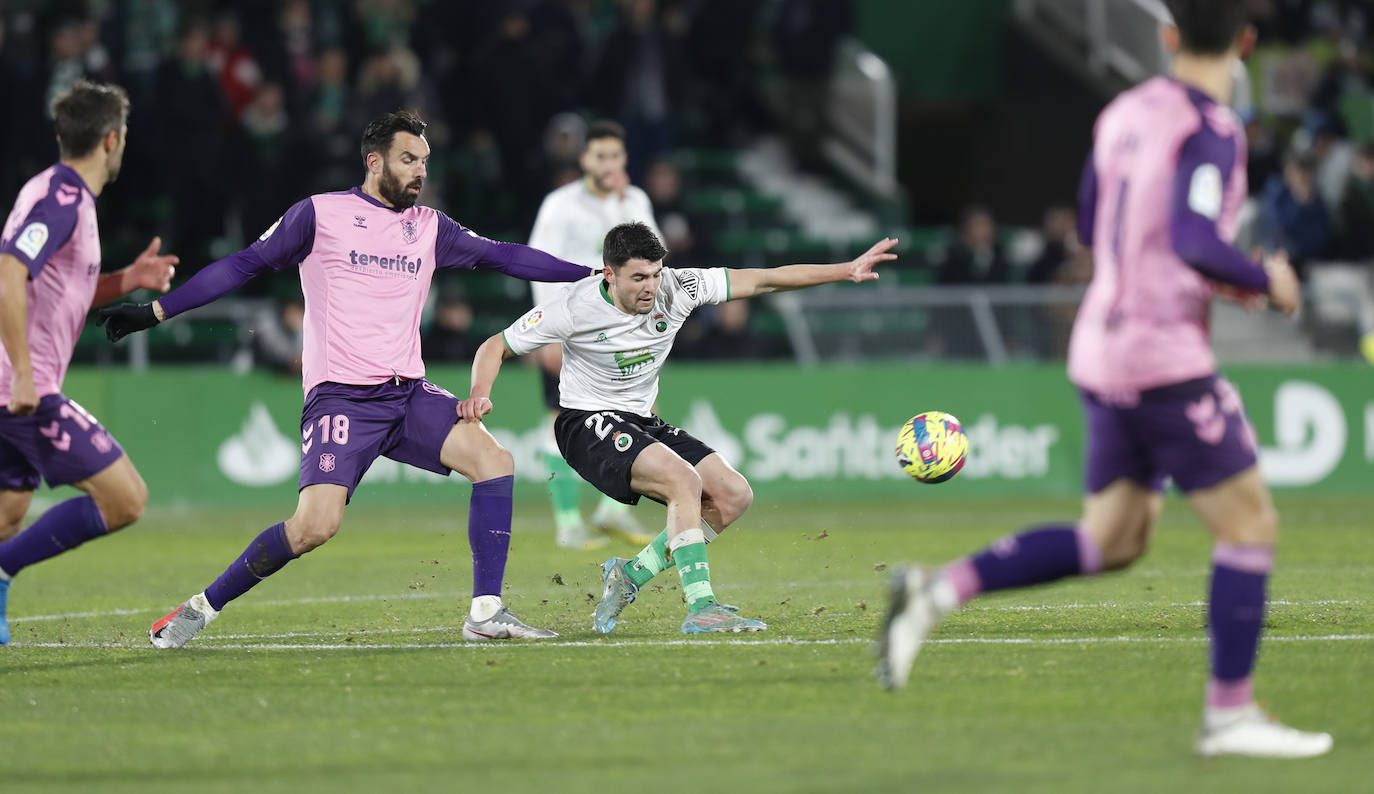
[344, 599]
[784, 641]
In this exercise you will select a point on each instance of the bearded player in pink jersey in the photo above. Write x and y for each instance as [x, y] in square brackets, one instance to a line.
[1159, 202]
[366, 257]
[49, 279]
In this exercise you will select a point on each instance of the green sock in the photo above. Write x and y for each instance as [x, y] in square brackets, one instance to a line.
[563, 487]
[690, 560]
[650, 561]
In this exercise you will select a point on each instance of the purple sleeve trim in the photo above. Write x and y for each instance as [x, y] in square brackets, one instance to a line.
[1193, 235]
[290, 239]
[55, 224]
[530, 264]
[215, 280]
[1087, 202]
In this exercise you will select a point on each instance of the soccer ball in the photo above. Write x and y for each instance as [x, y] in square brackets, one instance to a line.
[932, 447]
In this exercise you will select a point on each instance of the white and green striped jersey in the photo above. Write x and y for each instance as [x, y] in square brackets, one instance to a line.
[611, 359]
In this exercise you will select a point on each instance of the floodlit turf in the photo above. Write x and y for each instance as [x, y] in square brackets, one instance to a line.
[345, 672]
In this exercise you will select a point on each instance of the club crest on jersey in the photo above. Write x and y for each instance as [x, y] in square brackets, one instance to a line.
[660, 324]
[327, 462]
[409, 230]
[622, 441]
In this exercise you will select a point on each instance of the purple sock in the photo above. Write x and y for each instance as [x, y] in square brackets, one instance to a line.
[266, 555]
[1035, 556]
[489, 533]
[62, 528]
[1235, 617]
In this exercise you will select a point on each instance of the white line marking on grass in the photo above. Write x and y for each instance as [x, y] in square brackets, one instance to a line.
[207, 643]
[345, 599]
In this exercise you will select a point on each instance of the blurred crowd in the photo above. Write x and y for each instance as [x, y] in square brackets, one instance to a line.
[241, 108]
[1310, 124]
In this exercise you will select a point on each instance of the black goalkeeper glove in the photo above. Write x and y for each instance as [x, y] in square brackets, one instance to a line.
[123, 319]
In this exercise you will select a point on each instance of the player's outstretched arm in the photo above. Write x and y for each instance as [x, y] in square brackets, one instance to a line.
[14, 333]
[761, 281]
[150, 270]
[216, 280]
[486, 365]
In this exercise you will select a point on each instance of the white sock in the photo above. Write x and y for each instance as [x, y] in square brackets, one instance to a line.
[484, 607]
[943, 594]
[707, 532]
[4, 577]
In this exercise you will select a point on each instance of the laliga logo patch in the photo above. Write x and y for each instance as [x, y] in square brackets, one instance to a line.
[622, 441]
[31, 240]
[409, 231]
[660, 324]
[534, 318]
[269, 231]
[327, 462]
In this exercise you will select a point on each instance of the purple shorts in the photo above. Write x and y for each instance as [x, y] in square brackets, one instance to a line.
[344, 428]
[1195, 432]
[60, 442]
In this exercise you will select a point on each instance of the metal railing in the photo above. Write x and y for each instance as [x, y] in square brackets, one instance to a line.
[861, 119]
[1119, 37]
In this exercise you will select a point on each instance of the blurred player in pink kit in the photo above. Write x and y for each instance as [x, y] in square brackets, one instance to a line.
[1159, 202]
[366, 257]
[49, 280]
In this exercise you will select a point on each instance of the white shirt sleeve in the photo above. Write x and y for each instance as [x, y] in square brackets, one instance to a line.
[700, 286]
[542, 325]
[547, 234]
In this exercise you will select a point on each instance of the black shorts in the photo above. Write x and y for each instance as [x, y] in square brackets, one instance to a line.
[550, 384]
[602, 446]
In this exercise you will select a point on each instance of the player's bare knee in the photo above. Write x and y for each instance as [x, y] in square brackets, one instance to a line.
[685, 485]
[737, 497]
[310, 532]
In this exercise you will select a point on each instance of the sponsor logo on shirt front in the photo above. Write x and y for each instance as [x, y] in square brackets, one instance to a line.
[395, 266]
[32, 239]
[631, 361]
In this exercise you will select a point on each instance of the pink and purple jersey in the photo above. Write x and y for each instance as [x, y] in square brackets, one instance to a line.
[365, 271]
[52, 229]
[1159, 204]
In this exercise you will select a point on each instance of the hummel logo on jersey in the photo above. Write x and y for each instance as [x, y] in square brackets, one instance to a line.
[360, 221]
[392, 265]
[689, 282]
[601, 337]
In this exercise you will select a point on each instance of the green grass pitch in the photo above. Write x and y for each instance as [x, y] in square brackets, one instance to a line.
[345, 672]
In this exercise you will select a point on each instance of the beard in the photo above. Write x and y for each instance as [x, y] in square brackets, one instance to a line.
[393, 191]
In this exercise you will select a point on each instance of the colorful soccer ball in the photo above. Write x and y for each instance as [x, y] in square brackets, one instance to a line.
[932, 447]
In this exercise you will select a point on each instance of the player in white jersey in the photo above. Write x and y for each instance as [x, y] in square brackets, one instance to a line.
[1160, 202]
[570, 225]
[617, 328]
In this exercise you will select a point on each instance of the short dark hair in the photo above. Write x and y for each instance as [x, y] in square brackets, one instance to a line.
[631, 241]
[604, 129]
[382, 130]
[85, 113]
[1208, 27]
